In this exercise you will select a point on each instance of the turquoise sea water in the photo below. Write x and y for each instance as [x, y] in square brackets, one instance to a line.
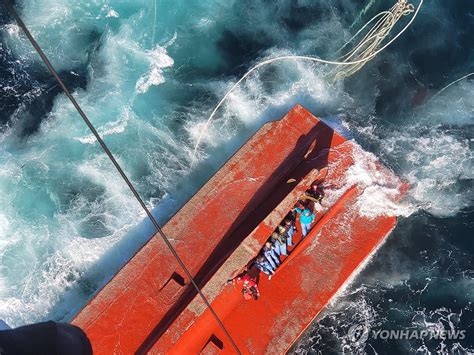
[148, 74]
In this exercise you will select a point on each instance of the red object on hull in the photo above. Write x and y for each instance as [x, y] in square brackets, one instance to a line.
[149, 306]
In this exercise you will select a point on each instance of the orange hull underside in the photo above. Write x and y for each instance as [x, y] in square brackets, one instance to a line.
[150, 306]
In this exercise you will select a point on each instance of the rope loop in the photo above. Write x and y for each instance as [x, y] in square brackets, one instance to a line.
[348, 64]
[405, 8]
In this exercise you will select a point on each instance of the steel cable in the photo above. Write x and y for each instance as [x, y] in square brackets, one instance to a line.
[107, 151]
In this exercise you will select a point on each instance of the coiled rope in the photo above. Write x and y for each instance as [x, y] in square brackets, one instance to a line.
[104, 147]
[350, 62]
[372, 40]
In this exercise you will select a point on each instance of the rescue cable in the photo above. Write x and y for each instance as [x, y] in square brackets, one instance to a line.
[118, 167]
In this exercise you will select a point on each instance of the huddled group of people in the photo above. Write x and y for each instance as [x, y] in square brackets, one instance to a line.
[269, 259]
[281, 240]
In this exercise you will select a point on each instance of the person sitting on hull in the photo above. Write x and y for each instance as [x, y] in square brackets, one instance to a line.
[306, 219]
[264, 266]
[271, 255]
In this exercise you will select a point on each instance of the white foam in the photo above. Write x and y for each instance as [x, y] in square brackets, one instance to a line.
[4, 227]
[158, 59]
[112, 13]
[257, 101]
[171, 41]
[431, 150]
[454, 106]
[109, 128]
[12, 29]
[435, 163]
[381, 187]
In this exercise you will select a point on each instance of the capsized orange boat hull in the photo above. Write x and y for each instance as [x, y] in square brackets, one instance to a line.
[150, 306]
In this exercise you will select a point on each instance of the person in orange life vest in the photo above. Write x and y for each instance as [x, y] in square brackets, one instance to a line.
[249, 288]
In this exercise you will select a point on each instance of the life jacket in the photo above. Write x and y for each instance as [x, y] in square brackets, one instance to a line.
[247, 294]
[248, 282]
[249, 289]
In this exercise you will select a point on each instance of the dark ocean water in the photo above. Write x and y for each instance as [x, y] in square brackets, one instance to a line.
[149, 73]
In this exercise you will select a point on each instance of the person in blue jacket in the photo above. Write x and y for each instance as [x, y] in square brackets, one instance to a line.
[306, 219]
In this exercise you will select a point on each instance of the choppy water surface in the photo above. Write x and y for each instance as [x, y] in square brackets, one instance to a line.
[148, 74]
